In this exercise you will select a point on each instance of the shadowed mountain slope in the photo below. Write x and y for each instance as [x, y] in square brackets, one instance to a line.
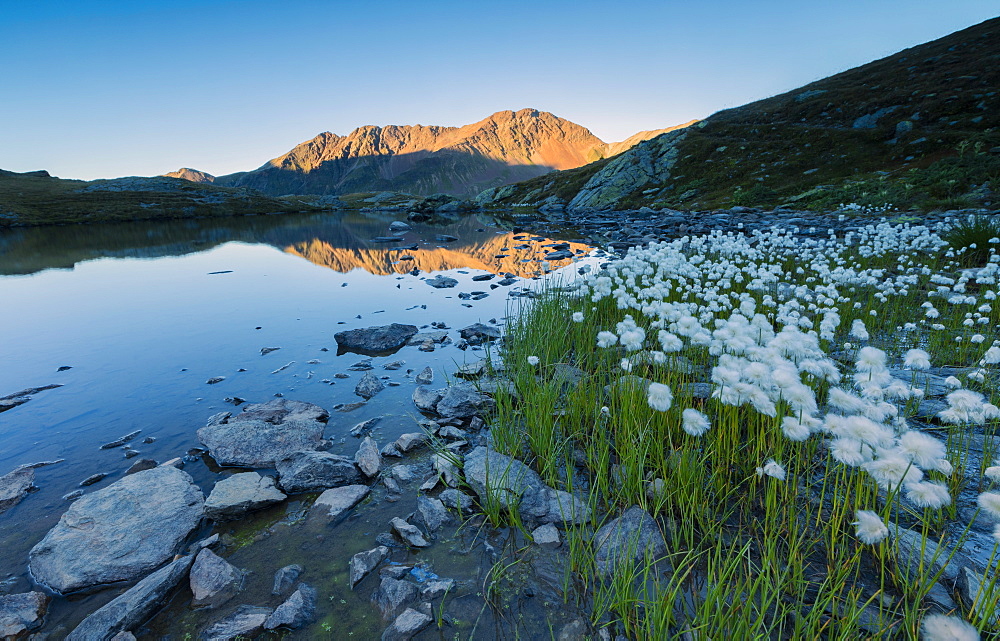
[918, 128]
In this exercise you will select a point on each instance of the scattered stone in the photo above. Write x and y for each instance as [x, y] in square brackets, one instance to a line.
[480, 333]
[483, 277]
[626, 540]
[207, 542]
[441, 282]
[398, 225]
[264, 351]
[472, 370]
[365, 426]
[119, 532]
[240, 493]
[439, 337]
[215, 379]
[132, 608]
[362, 563]
[121, 441]
[213, 580]
[576, 630]
[411, 441]
[406, 625]
[375, 340]
[390, 449]
[409, 533]
[425, 377]
[284, 367]
[311, 471]
[93, 478]
[245, 622]
[369, 386]
[427, 399]
[72, 496]
[394, 595]
[494, 476]
[285, 578]
[395, 570]
[19, 398]
[392, 486]
[463, 401]
[22, 613]
[456, 500]
[263, 434]
[546, 536]
[361, 366]
[297, 611]
[14, 486]
[338, 500]
[434, 589]
[141, 465]
[367, 458]
[431, 513]
[403, 473]
[444, 465]
[393, 366]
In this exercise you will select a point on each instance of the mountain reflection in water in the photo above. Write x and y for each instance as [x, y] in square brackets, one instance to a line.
[341, 241]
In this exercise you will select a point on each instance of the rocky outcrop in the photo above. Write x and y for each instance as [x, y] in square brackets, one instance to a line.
[265, 433]
[241, 493]
[119, 532]
[132, 608]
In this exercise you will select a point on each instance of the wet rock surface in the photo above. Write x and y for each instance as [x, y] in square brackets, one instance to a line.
[312, 471]
[21, 613]
[213, 580]
[406, 625]
[362, 563]
[264, 433]
[119, 532]
[336, 501]
[393, 596]
[297, 611]
[375, 340]
[241, 493]
[14, 486]
[285, 578]
[247, 620]
[133, 607]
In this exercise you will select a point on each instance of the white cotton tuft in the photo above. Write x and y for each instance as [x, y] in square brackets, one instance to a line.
[928, 494]
[869, 527]
[694, 422]
[917, 359]
[577, 317]
[941, 627]
[794, 430]
[533, 360]
[773, 469]
[923, 449]
[660, 397]
[990, 501]
[606, 339]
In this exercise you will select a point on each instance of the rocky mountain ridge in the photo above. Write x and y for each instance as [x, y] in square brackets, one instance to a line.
[506, 147]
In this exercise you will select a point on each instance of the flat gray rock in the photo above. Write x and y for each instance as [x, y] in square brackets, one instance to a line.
[393, 596]
[426, 399]
[410, 534]
[546, 536]
[479, 332]
[135, 606]
[264, 433]
[363, 563]
[425, 377]
[463, 401]
[22, 613]
[120, 532]
[369, 386]
[375, 340]
[438, 337]
[411, 441]
[213, 580]
[313, 471]
[297, 611]
[368, 458]
[431, 513]
[627, 540]
[456, 500]
[240, 493]
[14, 486]
[245, 622]
[441, 282]
[336, 501]
[406, 625]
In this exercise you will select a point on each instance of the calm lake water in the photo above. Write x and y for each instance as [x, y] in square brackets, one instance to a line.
[144, 314]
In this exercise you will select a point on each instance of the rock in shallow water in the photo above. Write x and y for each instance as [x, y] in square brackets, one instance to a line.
[375, 340]
[285, 578]
[119, 532]
[627, 540]
[334, 502]
[21, 613]
[393, 596]
[132, 608]
[297, 611]
[213, 580]
[241, 493]
[14, 486]
[406, 625]
[246, 621]
[264, 433]
[368, 386]
[363, 563]
[368, 458]
[312, 471]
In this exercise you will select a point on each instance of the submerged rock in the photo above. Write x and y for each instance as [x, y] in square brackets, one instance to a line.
[213, 580]
[297, 611]
[14, 486]
[336, 501]
[369, 386]
[496, 477]
[119, 532]
[285, 578]
[363, 563]
[241, 493]
[22, 613]
[375, 340]
[393, 595]
[311, 471]
[263, 434]
[627, 540]
[406, 625]
[245, 622]
[132, 608]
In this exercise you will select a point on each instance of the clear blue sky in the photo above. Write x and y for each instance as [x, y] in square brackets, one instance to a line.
[130, 87]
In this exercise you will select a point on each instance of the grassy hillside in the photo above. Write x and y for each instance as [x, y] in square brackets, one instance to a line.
[916, 129]
[36, 198]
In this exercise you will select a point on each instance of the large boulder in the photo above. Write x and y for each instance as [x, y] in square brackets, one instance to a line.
[22, 613]
[120, 532]
[263, 434]
[627, 540]
[509, 483]
[132, 608]
[375, 340]
[238, 494]
[312, 471]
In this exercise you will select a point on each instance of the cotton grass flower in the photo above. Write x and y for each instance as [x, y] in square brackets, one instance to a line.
[533, 361]
[773, 469]
[606, 339]
[928, 494]
[941, 627]
[917, 359]
[922, 449]
[869, 527]
[660, 397]
[694, 422]
[990, 501]
[577, 317]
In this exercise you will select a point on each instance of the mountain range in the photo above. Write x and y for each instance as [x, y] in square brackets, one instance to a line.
[506, 147]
